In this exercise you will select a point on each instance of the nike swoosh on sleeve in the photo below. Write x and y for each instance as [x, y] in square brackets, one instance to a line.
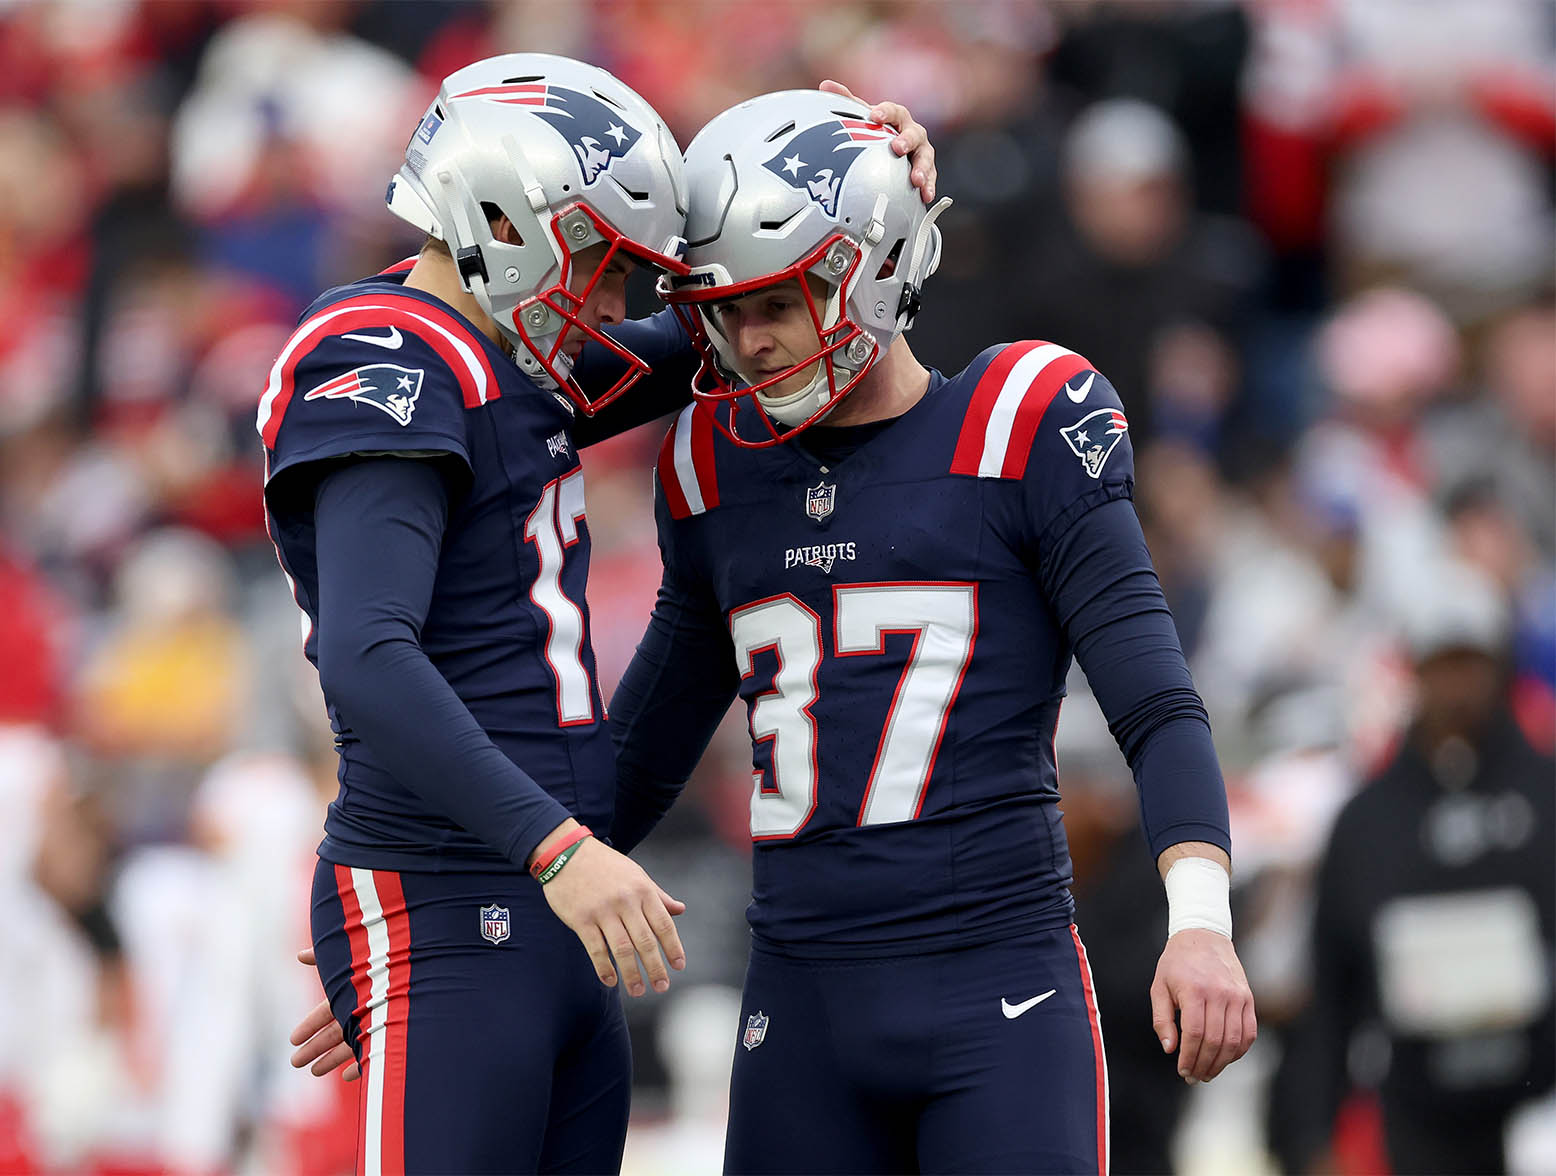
[1079, 394]
[391, 341]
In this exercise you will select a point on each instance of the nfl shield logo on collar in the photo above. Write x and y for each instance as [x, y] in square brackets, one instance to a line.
[756, 1030]
[494, 923]
[820, 499]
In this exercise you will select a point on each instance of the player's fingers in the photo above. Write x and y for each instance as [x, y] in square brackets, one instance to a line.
[1162, 1018]
[1191, 1019]
[832, 87]
[1250, 1024]
[594, 944]
[319, 1017]
[1232, 1046]
[674, 905]
[315, 1047]
[306, 957]
[316, 1044]
[647, 945]
[620, 941]
[924, 173]
[1211, 1045]
[663, 925]
[338, 1056]
[352, 1072]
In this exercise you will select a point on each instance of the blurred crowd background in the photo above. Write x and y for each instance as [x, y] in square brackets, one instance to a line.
[1311, 243]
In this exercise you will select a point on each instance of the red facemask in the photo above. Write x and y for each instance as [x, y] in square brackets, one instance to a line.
[713, 383]
[569, 305]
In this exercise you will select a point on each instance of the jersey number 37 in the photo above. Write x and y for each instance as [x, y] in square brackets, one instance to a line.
[942, 619]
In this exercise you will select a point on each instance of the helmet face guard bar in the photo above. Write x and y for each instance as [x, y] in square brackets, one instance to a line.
[533, 315]
[696, 306]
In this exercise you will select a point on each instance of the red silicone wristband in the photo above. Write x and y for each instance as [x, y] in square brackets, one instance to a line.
[549, 854]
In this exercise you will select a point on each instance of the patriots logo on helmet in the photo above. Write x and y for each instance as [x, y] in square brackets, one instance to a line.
[1094, 437]
[388, 387]
[816, 160]
[598, 134]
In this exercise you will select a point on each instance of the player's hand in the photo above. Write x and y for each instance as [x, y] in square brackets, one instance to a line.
[319, 1038]
[912, 139]
[620, 914]
[1200, 986]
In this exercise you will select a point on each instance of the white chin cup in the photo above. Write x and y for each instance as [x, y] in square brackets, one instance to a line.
[796, 408]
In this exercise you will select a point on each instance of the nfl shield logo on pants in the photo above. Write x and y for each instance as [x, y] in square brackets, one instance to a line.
[756, 1030]
[819, 500]
[494, 923]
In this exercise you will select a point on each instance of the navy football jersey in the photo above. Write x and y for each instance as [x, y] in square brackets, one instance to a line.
[375, 368]
[893, 626]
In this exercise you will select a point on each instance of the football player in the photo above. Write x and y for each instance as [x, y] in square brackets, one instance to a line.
[423, 489]
[892, 569]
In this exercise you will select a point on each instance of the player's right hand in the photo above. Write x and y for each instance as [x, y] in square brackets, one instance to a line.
[320, 1040]
[620, 914]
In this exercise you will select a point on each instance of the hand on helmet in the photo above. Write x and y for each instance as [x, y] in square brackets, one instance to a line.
[912, 139]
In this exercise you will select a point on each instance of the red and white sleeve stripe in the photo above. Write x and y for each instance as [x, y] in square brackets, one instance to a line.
[1012, 395]
[442, 332]
[686, 465]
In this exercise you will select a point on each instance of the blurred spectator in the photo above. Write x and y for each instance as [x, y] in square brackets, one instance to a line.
[1436, 120]
[270, 147]
[1435, 921]
[161, 697]
[1506, 436]
[1183, 56]
[1387, 357]
[997, 157]
[1151, 292]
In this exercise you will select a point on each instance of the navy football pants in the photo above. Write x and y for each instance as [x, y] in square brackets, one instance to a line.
[477, 1056]
[954, 1061]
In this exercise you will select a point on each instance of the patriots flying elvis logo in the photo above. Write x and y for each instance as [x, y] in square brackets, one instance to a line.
[388, 387]
[1094, 437]
[598, 134]
[816, 160]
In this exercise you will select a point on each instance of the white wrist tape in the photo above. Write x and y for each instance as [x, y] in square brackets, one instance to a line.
[1198, 896]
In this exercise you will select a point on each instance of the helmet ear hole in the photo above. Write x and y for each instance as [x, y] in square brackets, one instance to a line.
[493, 213]
[889, 266]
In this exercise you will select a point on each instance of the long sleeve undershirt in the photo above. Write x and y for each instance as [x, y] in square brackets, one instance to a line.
[379, 524]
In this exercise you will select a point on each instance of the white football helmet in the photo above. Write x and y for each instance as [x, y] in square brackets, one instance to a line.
[573, 157]
[788, 184]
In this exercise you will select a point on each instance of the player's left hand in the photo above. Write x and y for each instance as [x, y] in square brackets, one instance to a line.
[912, 139]
[1200, 988]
